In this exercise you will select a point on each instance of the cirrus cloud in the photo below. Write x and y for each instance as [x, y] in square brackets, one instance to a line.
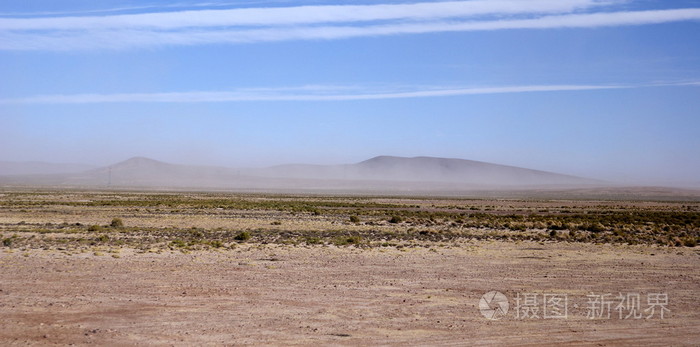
[327, 22]
[315, 93]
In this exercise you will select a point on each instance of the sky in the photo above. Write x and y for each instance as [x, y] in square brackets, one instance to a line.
[606, 89]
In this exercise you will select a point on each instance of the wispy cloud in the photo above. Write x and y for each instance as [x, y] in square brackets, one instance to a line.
[312, 93]
[112, 10]
[277, 16]
[153, 6]
[327, 22]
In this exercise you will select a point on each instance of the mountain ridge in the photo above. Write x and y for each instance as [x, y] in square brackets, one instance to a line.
[427, 169]
[384, 171]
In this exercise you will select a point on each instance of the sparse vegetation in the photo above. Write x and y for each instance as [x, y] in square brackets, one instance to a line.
[177, 243]
[690, 242]
[349, 240]
[313, 240]
[378, 221]
[243, 236]
[395, 219]
[116, 223]
[7, 242]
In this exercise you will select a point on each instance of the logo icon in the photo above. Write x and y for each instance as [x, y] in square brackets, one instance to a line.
[493, 305]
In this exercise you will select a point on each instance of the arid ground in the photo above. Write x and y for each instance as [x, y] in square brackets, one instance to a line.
[127, 268]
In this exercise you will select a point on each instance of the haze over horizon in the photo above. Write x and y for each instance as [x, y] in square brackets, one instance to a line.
[601, 89]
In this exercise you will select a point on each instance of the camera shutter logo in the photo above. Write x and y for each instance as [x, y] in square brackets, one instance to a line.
[493, 305]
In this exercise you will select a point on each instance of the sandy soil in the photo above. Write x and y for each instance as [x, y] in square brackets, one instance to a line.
[309, 295]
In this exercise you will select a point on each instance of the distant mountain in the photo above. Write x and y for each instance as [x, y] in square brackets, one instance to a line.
[383, 173]
[8, 168]
[141, 171]
[426, 169]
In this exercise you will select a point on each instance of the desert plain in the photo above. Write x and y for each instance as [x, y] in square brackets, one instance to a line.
[120, 267]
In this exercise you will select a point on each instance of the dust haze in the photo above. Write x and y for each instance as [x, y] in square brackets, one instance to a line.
[385, 173]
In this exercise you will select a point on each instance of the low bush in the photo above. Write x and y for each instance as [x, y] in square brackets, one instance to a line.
[116, 223]
[350, 240]
[242, 236]
[178, 243]
[7, 242]
[395, 220]
[690, 242]
[313, 240]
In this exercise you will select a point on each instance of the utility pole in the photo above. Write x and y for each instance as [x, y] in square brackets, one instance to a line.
[109, 182]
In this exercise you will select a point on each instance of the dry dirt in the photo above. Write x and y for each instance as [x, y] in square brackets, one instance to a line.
[176, 272]
[283, 294]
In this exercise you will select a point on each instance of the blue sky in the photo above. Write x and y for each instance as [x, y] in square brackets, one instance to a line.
[604, 89]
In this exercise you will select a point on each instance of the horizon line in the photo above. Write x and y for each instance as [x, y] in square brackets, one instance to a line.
[316, 93]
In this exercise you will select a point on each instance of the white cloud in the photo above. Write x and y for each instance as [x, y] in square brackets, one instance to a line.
[300, 15]
[136, 8]
[134, 38]
[328, 22]
[312, 93]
